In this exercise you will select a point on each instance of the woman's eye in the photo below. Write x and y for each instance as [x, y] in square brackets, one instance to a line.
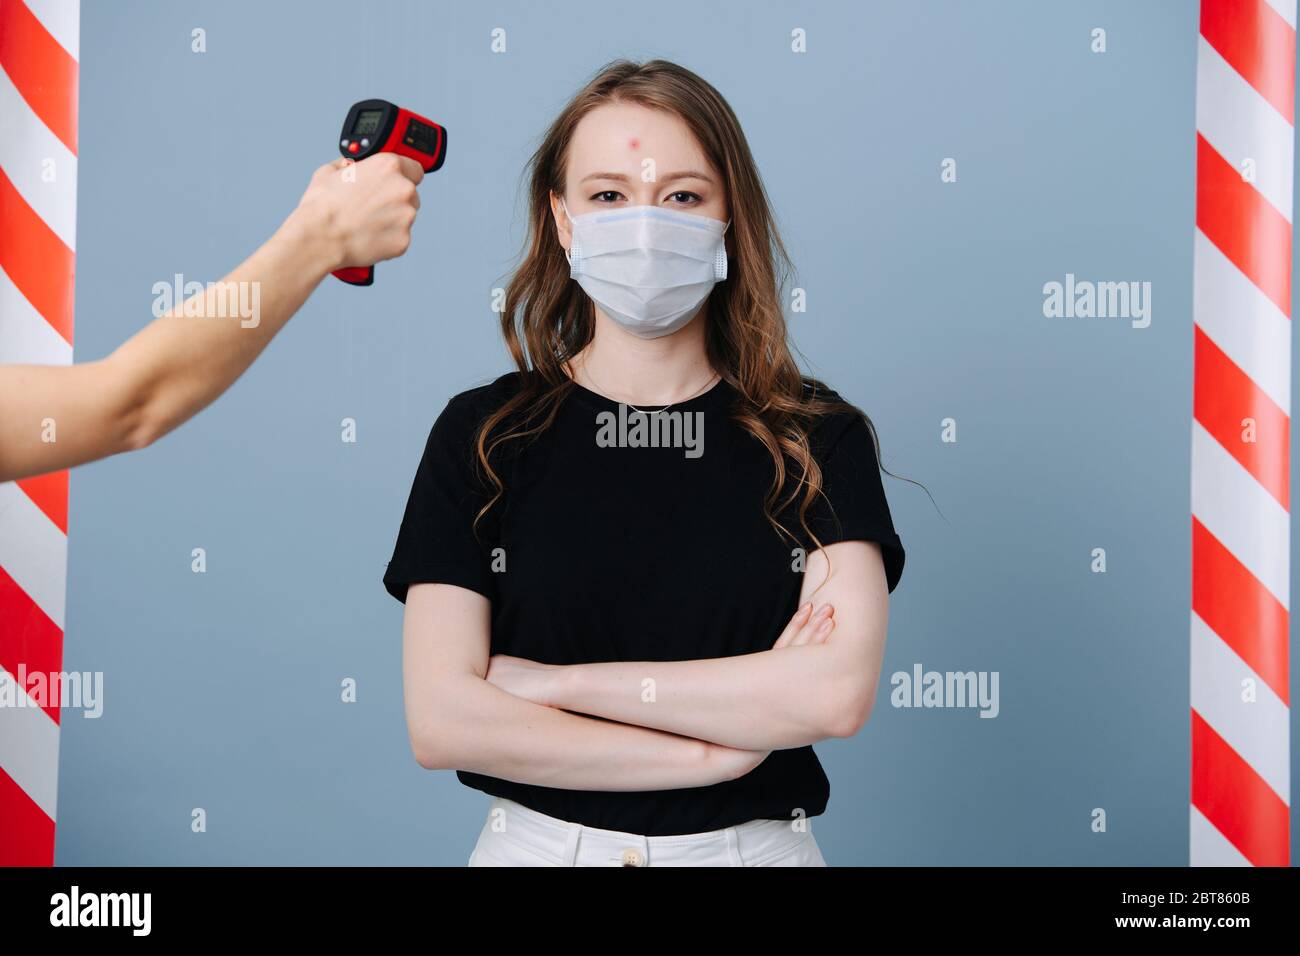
[608, 195]
[684, 197]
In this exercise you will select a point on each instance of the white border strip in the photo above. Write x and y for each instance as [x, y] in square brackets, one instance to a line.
[62, 20]
[34, 552]
[1240, 124]
[29, 153]
[1241, 320]
[25, 337]
[1209, 847]
[29, 747]
[1285, 9]
[1259, 731]
[1238, 511]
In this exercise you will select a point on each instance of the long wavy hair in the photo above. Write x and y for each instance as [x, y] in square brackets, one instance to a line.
[548, 319]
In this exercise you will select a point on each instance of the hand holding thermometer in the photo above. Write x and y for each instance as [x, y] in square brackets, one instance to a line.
[377, 126]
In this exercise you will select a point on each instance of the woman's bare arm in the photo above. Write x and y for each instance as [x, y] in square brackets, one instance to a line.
[795, 694]
[54, 416]
[458, 721]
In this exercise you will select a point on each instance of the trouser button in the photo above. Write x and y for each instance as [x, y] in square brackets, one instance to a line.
[633, 857]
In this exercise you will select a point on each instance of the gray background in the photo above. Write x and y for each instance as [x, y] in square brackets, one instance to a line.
[222, 689]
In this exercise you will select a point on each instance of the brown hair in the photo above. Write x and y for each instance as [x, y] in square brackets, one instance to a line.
[548, 319]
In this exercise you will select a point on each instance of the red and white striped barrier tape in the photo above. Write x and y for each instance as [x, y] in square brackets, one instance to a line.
[38, 203]
[1241, 435]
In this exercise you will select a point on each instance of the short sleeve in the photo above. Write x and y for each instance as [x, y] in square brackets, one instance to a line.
[436, 542]
[854, 507]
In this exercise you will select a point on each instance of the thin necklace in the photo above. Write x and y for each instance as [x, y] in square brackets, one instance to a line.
[656, 411]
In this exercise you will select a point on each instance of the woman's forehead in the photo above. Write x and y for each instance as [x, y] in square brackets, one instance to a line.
[618, 137]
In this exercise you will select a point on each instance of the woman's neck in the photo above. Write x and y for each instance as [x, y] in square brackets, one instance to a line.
[637, 371]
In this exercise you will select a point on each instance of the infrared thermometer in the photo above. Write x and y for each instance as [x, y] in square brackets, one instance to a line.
[378, 126]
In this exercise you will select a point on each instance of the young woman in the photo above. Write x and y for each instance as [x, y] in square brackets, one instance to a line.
[646, 571]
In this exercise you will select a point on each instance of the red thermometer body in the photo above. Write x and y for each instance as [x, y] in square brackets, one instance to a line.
[378, 126]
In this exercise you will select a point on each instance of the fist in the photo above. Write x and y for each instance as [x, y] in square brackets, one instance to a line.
[364, 210]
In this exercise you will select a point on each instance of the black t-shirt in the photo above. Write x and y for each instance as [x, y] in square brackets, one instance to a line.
[620, 553]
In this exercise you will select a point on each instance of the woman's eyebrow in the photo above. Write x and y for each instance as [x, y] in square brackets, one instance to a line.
[666, 178]
[685, 174]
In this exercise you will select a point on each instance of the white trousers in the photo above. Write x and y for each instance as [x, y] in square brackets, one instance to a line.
[515, 835]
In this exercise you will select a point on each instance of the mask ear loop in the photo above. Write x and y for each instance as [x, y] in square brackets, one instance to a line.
[721, 258]
[573, 239]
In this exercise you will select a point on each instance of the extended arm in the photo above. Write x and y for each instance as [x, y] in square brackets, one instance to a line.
[789, 696]
[53, 417]
[459, 721]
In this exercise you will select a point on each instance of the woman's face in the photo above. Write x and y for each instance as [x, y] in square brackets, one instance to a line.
[625, 154]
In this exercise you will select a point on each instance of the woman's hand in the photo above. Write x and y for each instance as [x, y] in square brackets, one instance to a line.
[523, 678]
[362, 211]
[808, 627]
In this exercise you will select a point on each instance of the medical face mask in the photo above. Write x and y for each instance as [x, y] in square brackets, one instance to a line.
[648, 268]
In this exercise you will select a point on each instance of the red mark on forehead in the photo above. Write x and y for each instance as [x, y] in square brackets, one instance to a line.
[634, 142]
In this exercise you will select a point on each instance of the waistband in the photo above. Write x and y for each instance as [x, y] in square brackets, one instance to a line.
[564, 843]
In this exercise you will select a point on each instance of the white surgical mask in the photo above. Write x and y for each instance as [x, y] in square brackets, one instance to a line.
[648, 268]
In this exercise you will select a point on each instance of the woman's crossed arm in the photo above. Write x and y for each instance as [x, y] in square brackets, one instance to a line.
[812, 684]
[459, 721]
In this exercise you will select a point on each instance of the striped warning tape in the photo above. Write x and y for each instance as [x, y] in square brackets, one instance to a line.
[38, 203]
[1241, 434]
